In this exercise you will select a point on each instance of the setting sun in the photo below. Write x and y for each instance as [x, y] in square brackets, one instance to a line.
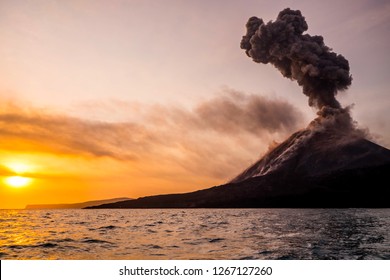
[17, 181]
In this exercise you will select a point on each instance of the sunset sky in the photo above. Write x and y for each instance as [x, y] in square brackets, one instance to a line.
[111, 98]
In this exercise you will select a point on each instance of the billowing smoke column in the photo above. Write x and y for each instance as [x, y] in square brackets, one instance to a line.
[298, 56]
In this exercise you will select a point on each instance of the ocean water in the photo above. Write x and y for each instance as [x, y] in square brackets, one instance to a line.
[195, 234]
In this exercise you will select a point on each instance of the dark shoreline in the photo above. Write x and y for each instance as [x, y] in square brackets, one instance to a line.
[357, 188]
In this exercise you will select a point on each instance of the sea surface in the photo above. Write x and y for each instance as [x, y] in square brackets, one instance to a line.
[195, 234]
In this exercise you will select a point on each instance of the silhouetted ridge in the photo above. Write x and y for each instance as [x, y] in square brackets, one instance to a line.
[75, 205]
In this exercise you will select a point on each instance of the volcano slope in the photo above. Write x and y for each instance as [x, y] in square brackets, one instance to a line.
[314, 167]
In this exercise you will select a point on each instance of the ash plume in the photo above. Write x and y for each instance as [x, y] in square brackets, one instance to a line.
[321, 73]
[298, 56]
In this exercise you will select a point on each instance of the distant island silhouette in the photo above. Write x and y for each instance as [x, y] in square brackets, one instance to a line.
[75, 205]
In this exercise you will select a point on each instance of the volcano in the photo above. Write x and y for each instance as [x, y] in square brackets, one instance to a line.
[317, 154]
[329, 164]
[315, 167]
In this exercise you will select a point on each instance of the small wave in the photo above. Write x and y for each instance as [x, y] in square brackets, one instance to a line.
[265, 252]
[63, 240]
[193, 242]
[46, 245]
[247, 258]
[66, 248]
[375, 239]
[214, 240]
[287, 257]
[91, 240]
[109, 227]
[158, 255]
[42, 245]
[219, 223]
[153, 246]
[19, 246]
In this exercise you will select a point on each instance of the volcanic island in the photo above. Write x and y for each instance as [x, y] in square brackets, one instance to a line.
[329, 164]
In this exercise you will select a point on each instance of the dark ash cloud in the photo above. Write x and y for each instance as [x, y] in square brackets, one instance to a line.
[233, 112]
[236, 112]
[298, 56]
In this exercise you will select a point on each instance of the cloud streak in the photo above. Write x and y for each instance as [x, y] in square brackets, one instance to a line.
[215, 138]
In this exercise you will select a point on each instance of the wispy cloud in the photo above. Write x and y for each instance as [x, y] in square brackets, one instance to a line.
[217, 138]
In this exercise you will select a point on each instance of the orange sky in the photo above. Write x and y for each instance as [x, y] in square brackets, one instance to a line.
[103, 99]
[168, 149]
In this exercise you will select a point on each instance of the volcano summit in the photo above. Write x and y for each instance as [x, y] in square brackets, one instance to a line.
[329, 164]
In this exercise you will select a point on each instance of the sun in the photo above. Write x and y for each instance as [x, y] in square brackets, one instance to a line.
[17, 181]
